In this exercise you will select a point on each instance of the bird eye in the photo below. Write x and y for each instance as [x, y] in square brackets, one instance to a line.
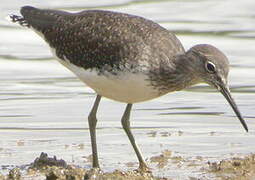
[210, 67]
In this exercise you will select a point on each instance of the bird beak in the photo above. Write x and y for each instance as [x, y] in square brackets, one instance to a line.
[226, 93]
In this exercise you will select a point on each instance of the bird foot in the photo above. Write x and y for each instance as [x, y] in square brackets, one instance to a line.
[143, 169]
[93, 174]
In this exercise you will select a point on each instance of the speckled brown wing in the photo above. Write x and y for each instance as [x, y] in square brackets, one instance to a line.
[103, 39]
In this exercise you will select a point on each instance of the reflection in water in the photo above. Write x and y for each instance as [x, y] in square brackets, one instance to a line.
[174, 108]
[193, 113]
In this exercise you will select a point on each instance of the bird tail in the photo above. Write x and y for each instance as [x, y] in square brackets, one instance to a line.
[39, 19]
[19, 19]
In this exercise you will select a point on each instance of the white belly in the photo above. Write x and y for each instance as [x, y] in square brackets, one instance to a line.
[124, 87]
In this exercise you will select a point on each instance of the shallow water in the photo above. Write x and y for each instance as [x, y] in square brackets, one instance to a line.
[44, 107]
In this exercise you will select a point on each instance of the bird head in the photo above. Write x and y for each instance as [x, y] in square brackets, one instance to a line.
[212, 67]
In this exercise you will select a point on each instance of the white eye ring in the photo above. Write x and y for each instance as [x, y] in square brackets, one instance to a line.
[210, 67]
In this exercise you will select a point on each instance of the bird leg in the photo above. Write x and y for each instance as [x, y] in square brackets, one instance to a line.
[126, 126]
[92, 129]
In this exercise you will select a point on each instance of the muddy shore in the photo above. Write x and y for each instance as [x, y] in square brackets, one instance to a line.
[51, 168]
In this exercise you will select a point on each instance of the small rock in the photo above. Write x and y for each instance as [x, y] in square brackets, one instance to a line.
[15, 174]
[44, 160]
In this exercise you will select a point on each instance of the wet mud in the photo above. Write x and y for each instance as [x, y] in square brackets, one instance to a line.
[51, 168]
[235, 168]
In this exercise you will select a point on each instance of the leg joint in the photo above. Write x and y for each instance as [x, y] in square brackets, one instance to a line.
[125, 118]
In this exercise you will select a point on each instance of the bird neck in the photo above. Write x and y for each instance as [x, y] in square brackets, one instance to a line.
[174, 75]
[185, 70]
